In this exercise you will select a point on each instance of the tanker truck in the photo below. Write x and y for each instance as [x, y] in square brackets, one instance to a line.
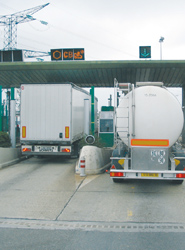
[149, 121]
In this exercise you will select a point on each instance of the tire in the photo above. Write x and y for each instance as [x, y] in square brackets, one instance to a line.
[178, 181]
[75, 154]
[115, 180]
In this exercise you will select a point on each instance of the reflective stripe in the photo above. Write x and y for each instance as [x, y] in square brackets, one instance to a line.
[149, 142]
[66, 132]
[23, 131]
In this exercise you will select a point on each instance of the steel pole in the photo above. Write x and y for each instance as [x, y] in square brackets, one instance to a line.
[86, 116]
[92, 109]
[183, 106]
[0, 108]
[160, 50]
[12, 119]
[12, 123]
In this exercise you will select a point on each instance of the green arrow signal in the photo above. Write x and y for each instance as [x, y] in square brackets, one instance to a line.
[145, 51]
[145, 54]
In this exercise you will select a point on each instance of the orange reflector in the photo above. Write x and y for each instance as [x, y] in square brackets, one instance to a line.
[177, 162]
[26, 149]
[116, 174]
[66, 132]
[23, 131]
[66, 150]
[149, 142]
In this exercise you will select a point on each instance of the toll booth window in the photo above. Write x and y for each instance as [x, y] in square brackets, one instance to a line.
[106, 125]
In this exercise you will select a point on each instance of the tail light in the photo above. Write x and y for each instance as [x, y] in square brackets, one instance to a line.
[66, 150]
[116, 174]
[26, 150]
[181, 175]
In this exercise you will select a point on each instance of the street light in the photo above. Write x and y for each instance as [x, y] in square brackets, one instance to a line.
[161, 40]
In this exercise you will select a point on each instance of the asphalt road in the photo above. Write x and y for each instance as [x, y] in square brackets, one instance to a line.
[44, 205]
[79, 240]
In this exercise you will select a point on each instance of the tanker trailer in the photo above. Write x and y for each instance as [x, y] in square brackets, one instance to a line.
[149, 121]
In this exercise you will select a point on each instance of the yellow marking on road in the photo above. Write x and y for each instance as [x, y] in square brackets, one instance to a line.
[129, 213]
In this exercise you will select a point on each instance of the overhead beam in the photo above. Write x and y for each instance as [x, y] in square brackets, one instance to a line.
[93, 73]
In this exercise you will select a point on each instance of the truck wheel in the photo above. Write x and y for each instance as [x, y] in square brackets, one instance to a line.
[178, 181]
[75, 152]
[115, 180]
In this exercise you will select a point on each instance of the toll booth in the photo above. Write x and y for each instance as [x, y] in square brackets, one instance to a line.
[106, 125]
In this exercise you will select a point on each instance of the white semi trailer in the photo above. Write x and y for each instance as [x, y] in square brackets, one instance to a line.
[149, 121]
[53, 118]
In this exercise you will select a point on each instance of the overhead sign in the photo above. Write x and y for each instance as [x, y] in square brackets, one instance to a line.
[67, 54]
[145, 52]
[56, 54]
[11, 56]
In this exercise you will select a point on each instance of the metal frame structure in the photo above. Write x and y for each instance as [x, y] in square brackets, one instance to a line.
[10, 22]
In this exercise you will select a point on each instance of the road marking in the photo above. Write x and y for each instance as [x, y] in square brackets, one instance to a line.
[92, 226]
[88, 179]
[129, 213]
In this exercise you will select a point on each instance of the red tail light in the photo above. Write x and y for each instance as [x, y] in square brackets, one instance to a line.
[66, 150]
[180, 175]
[116, 174]
[26, 150]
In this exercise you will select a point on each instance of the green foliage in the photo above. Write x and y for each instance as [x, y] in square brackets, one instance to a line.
[4, 140]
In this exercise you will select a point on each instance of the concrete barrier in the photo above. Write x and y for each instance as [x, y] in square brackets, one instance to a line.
[9, 156]
[96, 159]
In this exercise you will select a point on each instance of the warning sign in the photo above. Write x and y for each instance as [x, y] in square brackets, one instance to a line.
[67, 54]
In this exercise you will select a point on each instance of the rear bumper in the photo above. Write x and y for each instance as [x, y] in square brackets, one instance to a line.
[46, 150]
[143, 174]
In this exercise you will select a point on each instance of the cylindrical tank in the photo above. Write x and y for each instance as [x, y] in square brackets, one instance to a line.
[150, 112]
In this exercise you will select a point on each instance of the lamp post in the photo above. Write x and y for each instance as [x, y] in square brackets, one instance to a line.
[161, 40]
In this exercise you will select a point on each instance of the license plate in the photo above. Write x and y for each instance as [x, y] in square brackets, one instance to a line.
[45, 149]
[149, 175]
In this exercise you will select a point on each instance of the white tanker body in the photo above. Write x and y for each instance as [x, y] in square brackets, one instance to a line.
[149, 122]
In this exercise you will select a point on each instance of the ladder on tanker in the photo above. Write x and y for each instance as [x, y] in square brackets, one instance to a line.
[123, 131]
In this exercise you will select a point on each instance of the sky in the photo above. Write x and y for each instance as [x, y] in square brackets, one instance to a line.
[106, 29]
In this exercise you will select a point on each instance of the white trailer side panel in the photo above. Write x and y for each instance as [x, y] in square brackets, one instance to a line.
[45, 111]
[78, 112]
